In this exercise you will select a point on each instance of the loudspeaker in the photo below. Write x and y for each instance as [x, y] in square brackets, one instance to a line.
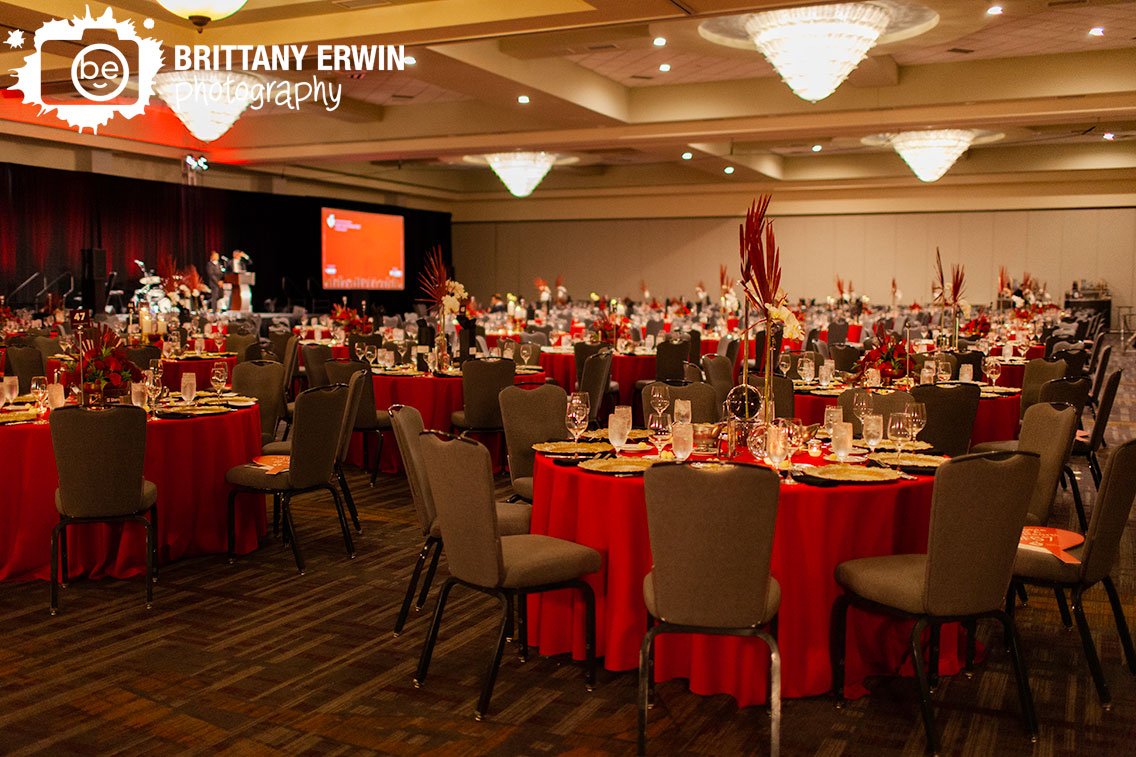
[92, 273]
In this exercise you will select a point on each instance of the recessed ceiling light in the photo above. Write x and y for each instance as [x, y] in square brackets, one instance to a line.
[664, 67]
[409, 60]
[817, 148]
[687, 155]
[1109, 136]
[994, 10]
[728, 170]
[1096, 31]
[523, 99]
[660, 42]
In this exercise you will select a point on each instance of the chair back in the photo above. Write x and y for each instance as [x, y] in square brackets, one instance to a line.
[595, 381]
[581, 351]
[783, 402]
[289, 360]
[99, 455]
[278, 336]
[355, 376]
[1075, 361]
[691, 373]
[316, 425]
[47, 346]
[951, 410]
[694, 355]
[1037, 372]
[1071, 391]
[669, 359]
[845, 356]
[882, 404]
[920, 359]
[407, 424]
[141, 356]
[795, 359]
[482, 382]
[1100, 373]
[461, 479]
[531, 416]
[719, 374]
[732, 345]
[25, 363]
[366, 416]
[534, 337]
[653, 328]
[837, 333]
[974, 359]
[247, 346]
[978, 509]
[264, 380]
[316, 358]
[711, 541]
[1047, 431]
[1110, 514]
[704, 406]
[1104, 410]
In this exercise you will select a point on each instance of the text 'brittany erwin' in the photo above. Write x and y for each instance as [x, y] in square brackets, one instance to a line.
[288, 57]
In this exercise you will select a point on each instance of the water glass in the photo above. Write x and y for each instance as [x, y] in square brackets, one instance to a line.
[755, 441]
[188, 386]
[873, 430]
[841, 440]
[56, 397]
[833, 414]
[618, 427]
[682, 440]
[966, 372]
[624, 411]
[199, 345]
[807, 368]
[776, 445]
[872, 377]
[917, 415]
[138, 394]
[682, 412]
[825, 375]
[11, 388]
[927, 375]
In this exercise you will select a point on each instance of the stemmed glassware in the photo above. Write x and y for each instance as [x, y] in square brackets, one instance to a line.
[873, 430]
[659, 427]
[833, 414]
[153, 389]
[361, 350]
[776, 445]
[156, 370]
[992, 367]
[370, 353]
[220, 376]
[39, 393]
[917, 414]
[841, 440]
[660, 397]
[943, 369]
[785, 362]
[899, 429]
[862, 405]
[578, 414]
[526, 353]
[403, 346]
[618, 429]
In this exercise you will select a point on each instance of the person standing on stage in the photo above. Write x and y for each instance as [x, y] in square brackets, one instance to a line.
[213, 275]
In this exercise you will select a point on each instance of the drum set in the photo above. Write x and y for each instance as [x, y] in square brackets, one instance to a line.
[170, 295]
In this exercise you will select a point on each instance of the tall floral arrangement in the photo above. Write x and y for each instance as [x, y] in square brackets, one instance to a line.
[103, 366]
[949, 293]
[444, 295]
[889, 356]
[349, 320]
[610, 326]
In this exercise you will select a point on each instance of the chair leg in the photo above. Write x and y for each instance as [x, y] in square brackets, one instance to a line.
[933, 657]
[66, 578]
[589, 633]
[290, 531]
[971, 628]
[1063, 608]
[154, 521]
[650, 668]
[1077, 503]
[405, 609]
[522, 624]
[432, 634]
[1121, 622]
[347, 498]
[1021, 675]
[645, 674]
[1091, 651]
[429, 578]
[348, 544]
[924, 689]
[275, 514]
[233, 526]
[495, 661]
[151, 538]
[378, 456]
[54, 592]
[774, 695]
[1095, 469]
[836, 644]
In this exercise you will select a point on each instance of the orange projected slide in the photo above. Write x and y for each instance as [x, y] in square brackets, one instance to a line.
[362, 250]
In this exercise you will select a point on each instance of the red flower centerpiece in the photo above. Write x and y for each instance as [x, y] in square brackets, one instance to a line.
[977, 327]
[610, 326]
[889, 356]
[349, 320]
[103, 369]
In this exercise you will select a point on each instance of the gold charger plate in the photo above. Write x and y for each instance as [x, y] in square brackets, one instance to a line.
[20, 416]
[889, 444]
[908, 459]
[618, 465]
[601, 433]
[995, 391]
[572, 448]
[827, 392]
[856, 474]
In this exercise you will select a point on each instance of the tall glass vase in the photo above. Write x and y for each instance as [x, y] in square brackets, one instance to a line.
[442, 345]
[955, 330]
[767, 404]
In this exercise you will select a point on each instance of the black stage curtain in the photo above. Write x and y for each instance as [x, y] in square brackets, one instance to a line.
[48, 216]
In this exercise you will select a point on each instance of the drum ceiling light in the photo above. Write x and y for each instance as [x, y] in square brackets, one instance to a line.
[201, 12]
[931, 153]
[521, 171]
[207, 102]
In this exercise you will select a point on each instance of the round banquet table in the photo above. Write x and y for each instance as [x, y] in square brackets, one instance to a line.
[997, 419]
[436, 398]
[625, 371]
[173, 370]
[817, 528]
[186, 460]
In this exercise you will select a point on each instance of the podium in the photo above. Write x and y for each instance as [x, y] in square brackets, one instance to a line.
[240, 298]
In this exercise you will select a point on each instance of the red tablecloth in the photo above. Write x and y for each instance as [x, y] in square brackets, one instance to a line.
[173, 370]
[1012, 375]
[817, 528]
[185, 459]
[436, 398]
[997, 418]
[625, 371]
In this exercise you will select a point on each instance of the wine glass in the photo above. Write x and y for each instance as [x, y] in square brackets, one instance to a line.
[943, 370]
[188, 386]
[833, 414]
[618, 428]
[776, 445]
[220, 376]
[156, 369]
[576, 420]
[841, 440]
[526, 353]
[807, 368]
[899, 429]
[992, 367]
[39, 392]
[682, 440]
[659, 426]
[153, 389]
[371, 354]
[361, 350]
[861, 405]
[402, 346]
[873, 430]
[660, 397]
[785, 362]
[917, 413]
[583, 400]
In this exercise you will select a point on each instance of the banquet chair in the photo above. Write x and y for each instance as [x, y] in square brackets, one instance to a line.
[978, 508]
[1097, 555]
[532, 328]
[99, 455]
[974, 359]
[25, 363]
[822, 350]
[1037, 372]
[247, 346]
[1098, 379]
[1075, 361]
[809, 344]
[367, 420]
[837, 333]
[316, 357]
[719, 372]
[314, 448]
[534, 337]
[141, 356]
[47, 346]
[691, 373]
[511, 518]
[882, 404]
[694, 338]
[1095, 354]
[704, 407]
[264, 380]
[289, 359]
[481, 558]
[482, 381]
[795, 360]
[669, 358]
[951, 410]
[596, 381]
[783, 401]
[729, 347]
[278, 337]
[918, 360]
[1089, 446]
[846, 356]
[710, 566]
[1072, 391]
[653, 328]
[581, 351]
[531, 416]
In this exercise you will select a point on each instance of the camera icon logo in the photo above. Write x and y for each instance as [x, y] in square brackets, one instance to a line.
[112, 74]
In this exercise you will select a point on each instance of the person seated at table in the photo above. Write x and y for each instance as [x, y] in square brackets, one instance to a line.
[496, 304]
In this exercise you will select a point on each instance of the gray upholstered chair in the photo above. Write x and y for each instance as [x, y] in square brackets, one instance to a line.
[367, 420]
[262, 379]
[1099, 375]
[314, 449]
[1089, 448]
[482, 381]
[290, 359]
[247, 346]
[141, 356]
[1075, 361]
[99, 455]
[845, 356]
[669, 358]
[704, 407]
[1037, 373]
[951, 410]
[710, 565]
[357, 378]
[481, 558]
[278, 337]
[538, 338]
[795, 359]
[882, 404]
[1071, 391]
[531, 416]
[47, 347]
[25, 363]
[837, 333]
[719, 373]
[511, 518]
[919, 359]
[581, 351]
[1097, 557]
[596, 381]
[978, 509]
[783, 402]
[694, 354]
[316, 357]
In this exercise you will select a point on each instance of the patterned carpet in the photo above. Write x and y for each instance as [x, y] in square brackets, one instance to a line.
[252, 658]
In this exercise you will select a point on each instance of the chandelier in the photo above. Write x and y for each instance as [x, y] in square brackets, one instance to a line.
[521, 172]
[932, 152]
[207, 102]
[814, 49]
[201, 12]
